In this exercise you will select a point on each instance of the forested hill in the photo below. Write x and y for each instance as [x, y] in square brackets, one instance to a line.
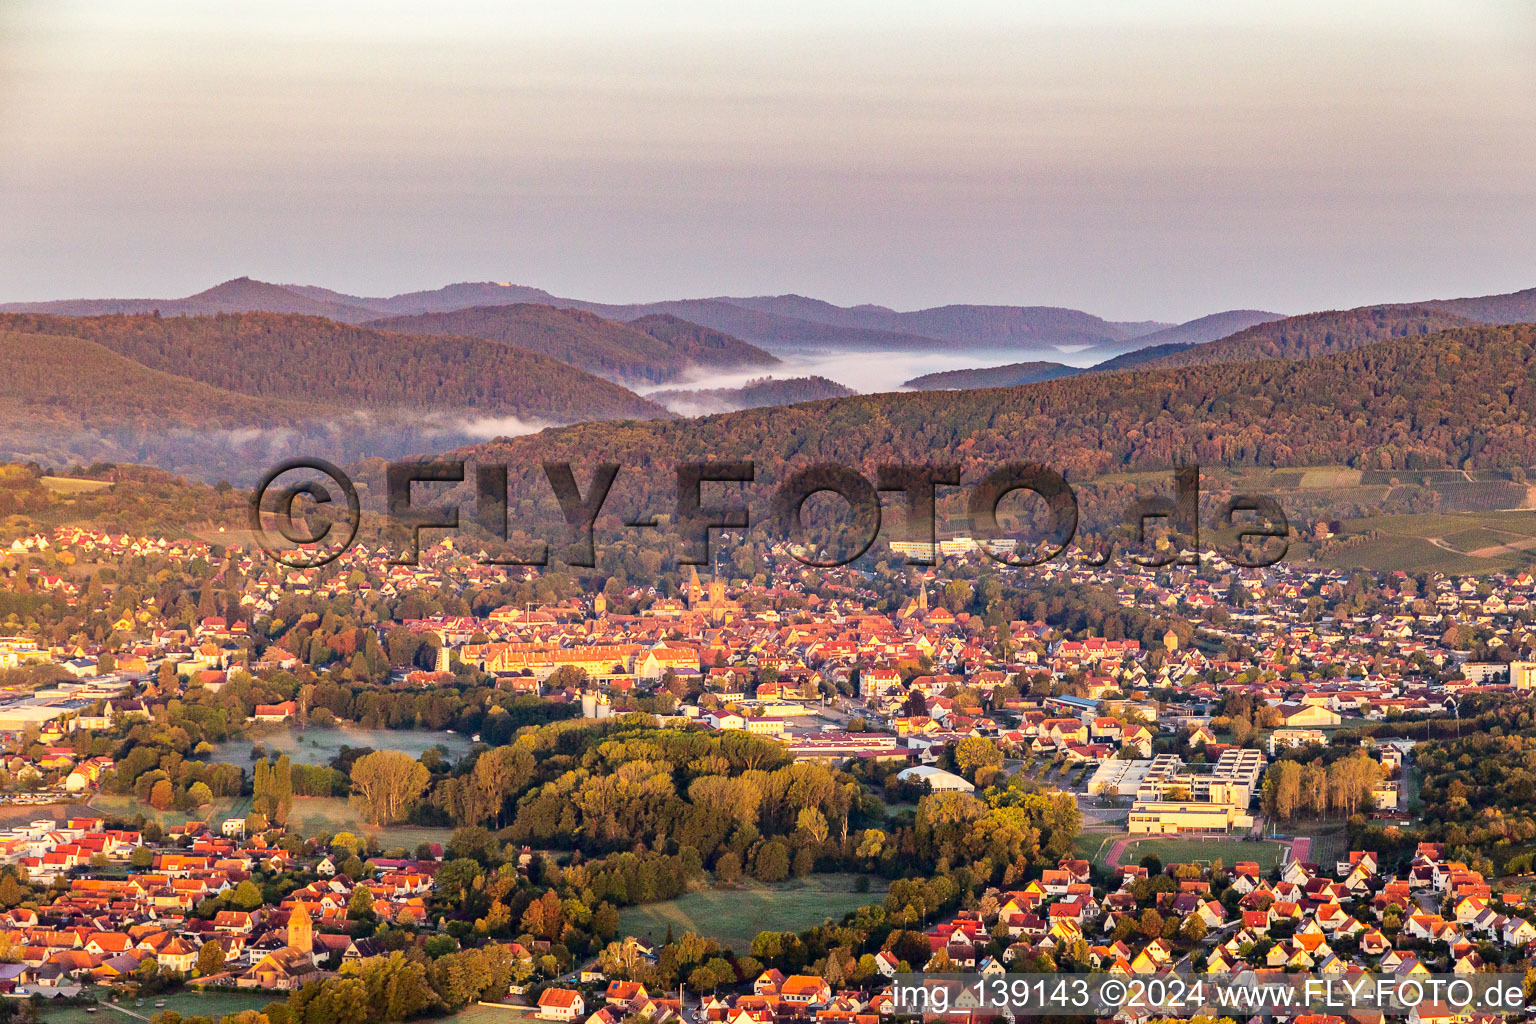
[1143, 357]
[1316, 334]
[991, 376]
[653, 349]
[985, 326]
[316, 361]
[1209, 328]
[752, 395]
[1463, 397]
[703, 346]
[241, 295]
[1510, 308]
[70, 381]
[68, 400]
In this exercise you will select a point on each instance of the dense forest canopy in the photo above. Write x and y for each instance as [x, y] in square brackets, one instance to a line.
[308, 359]
[1316, 334]
[653, 349]
[1463, 398]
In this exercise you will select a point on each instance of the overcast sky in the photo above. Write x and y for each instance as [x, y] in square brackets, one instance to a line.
[1135, 158]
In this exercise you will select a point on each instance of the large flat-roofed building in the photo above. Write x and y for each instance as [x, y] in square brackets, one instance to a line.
[843, 746]
[1074, 706]
[1177, 797]
[1164, 818]
[1119, 778]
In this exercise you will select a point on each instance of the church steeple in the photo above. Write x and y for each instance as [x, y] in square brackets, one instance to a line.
[695, 588]
[301, 930]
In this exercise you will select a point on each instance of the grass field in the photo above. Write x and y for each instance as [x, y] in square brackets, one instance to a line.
[735, 916]
[1468, 536]
[477, 1014]
[20, 814]
[311, 816]
[315, 814]
[318, 746]
[1188, 850]
[188, 1004]
[128, 806]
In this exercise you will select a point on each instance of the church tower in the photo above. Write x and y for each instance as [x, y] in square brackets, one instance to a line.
[301, 930]
[695, 588]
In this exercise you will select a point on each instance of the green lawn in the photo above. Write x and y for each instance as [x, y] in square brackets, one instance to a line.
[315, 814]
[312, 815]
[1187, 850]
[477, 1014]
[188, 1004]
[735, 916]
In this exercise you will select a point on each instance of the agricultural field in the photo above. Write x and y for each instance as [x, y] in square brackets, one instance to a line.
[1329, 477]
[1470, 542]
[72, 485]
[735, 916]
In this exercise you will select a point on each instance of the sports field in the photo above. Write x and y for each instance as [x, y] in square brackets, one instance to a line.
[1186, 850]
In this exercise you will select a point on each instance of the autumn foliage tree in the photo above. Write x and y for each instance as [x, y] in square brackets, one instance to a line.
[978, 756]
[387, 784]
